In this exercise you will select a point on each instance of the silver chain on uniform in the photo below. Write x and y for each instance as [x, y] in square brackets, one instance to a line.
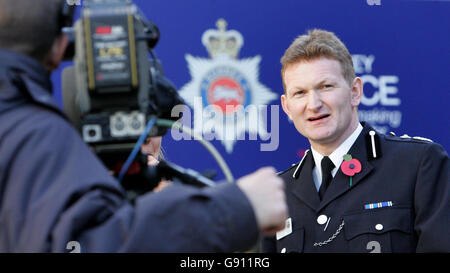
[332, 237]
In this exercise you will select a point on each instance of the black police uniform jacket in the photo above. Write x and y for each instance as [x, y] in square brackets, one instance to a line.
[407, 181]
[56, 196]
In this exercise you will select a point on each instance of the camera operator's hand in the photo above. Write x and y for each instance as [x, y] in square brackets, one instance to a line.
[152, 147]
[265, 190]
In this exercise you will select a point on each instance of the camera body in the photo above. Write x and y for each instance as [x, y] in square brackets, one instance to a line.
[111, 73]
[114, 87]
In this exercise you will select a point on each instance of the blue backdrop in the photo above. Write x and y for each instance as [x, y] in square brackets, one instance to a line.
[401, 49]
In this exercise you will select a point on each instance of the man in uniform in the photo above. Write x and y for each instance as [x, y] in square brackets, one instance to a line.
[355, 190]
[56, 196]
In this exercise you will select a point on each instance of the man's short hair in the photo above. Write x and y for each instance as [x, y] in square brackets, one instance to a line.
[29, 27]
[319, 44]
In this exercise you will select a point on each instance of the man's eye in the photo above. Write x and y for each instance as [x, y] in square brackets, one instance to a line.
[327, 86]
[299, 93]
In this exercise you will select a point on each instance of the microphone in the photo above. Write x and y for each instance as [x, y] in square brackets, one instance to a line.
[68, 95]
[169, 171]
[75, 98]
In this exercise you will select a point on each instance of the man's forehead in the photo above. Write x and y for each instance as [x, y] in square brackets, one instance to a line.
[317, 63]
[313, 71]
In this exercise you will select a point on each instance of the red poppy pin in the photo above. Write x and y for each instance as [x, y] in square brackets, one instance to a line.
[350, 166]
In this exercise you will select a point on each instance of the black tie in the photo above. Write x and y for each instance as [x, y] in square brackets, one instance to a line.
[327, 167]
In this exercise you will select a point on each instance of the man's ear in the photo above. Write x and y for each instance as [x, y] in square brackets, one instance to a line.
[285, 106]
[357, 91]
[56, 54]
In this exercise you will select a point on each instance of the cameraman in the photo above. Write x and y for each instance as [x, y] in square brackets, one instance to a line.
[54, 191]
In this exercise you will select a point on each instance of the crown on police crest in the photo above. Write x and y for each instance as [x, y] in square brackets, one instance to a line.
[220, 41]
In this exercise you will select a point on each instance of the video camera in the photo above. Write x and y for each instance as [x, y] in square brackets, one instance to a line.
[114, 89]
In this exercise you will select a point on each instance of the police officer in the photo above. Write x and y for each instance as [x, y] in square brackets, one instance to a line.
[355, 190]
[56, 196]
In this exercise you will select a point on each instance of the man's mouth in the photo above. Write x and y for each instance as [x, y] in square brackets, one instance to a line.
[318, 117]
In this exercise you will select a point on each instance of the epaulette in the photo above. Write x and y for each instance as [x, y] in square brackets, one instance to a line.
[406, 138]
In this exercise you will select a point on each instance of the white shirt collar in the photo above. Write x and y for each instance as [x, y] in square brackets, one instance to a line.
[337, 156]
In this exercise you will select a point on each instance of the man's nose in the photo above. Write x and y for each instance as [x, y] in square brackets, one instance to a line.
[314, 101]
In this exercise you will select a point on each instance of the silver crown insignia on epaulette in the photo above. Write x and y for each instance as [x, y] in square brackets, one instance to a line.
[417, 137]
[423, 138]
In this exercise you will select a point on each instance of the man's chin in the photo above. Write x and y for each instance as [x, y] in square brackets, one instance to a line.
[321, 138]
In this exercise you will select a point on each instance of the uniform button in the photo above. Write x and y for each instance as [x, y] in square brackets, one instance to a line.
[283, 250]
[379, 227]
[322, 219]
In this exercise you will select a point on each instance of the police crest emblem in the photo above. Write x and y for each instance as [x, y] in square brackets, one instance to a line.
[225, 93]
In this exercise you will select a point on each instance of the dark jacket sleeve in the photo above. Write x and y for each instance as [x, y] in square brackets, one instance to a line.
[268, 244]
[432, 205]
[57, 191]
